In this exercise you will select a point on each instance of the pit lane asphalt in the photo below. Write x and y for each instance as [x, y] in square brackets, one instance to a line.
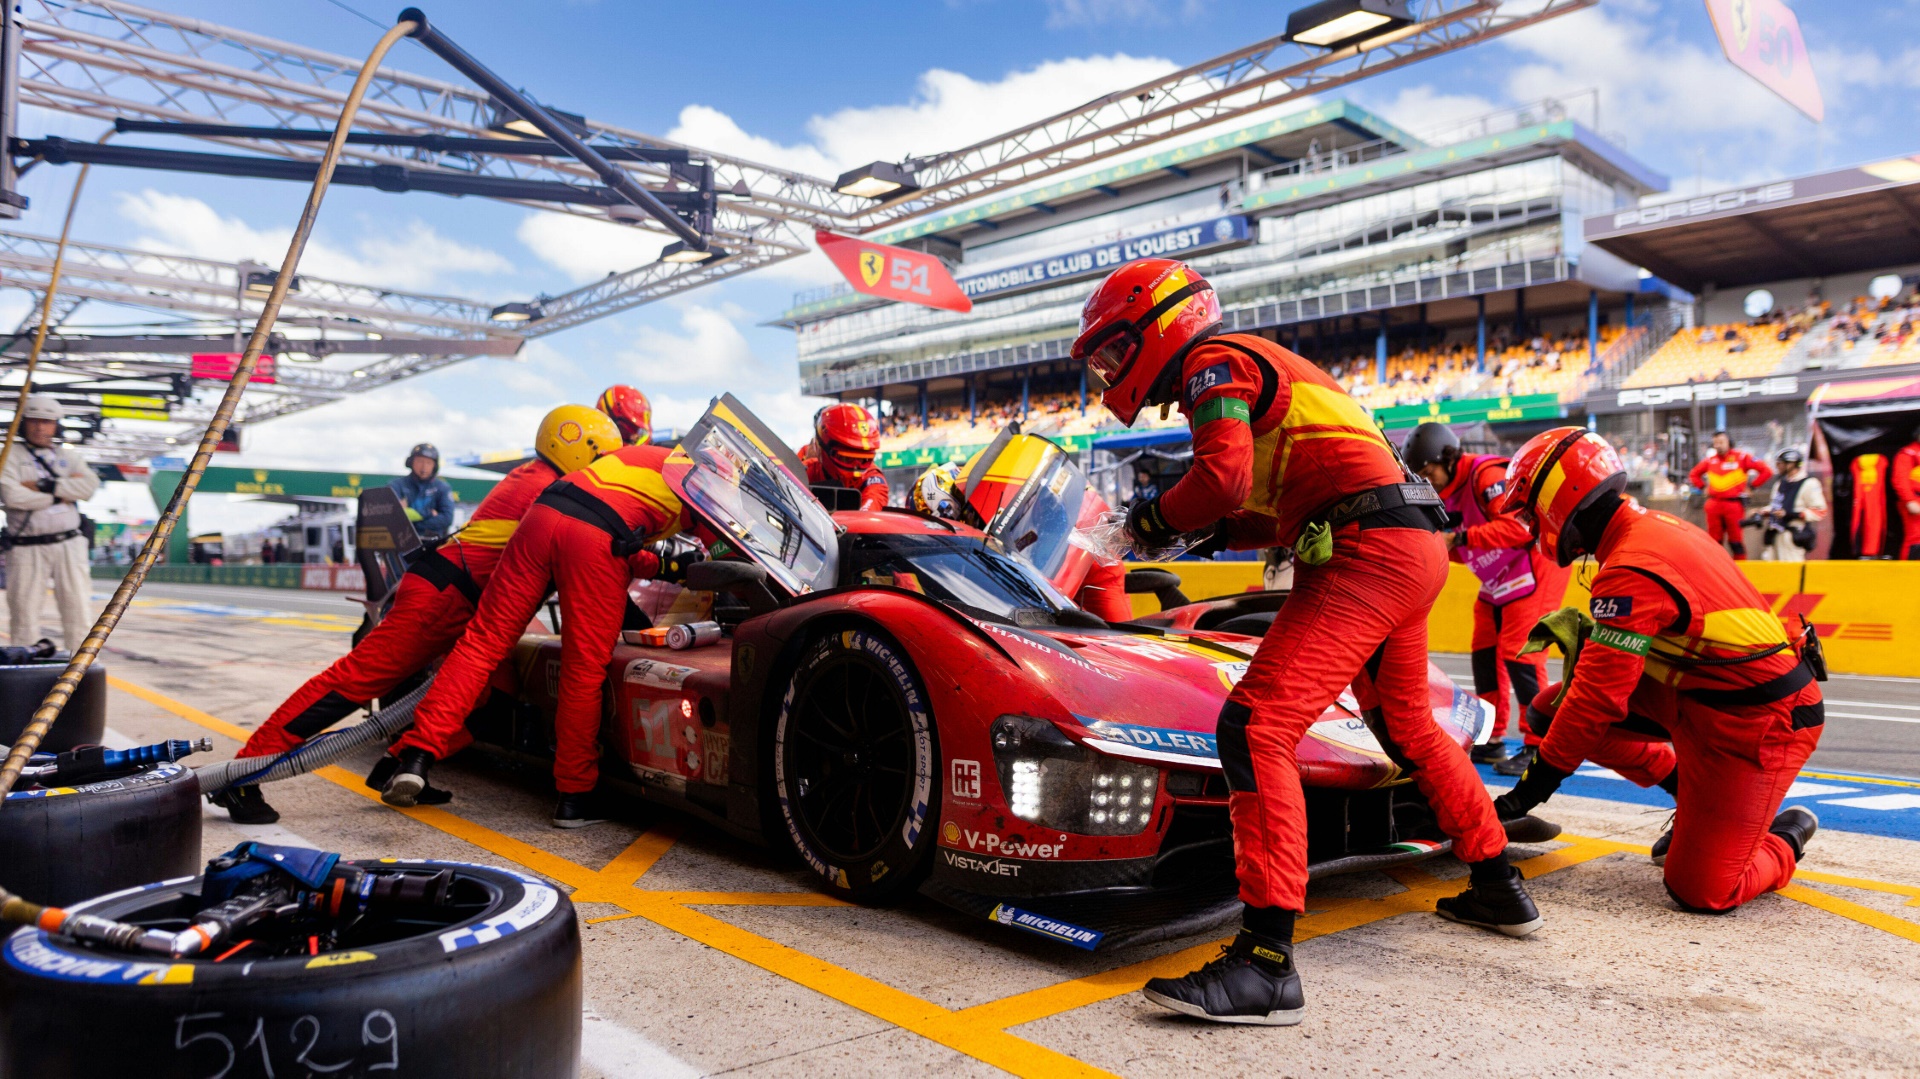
[707, 956]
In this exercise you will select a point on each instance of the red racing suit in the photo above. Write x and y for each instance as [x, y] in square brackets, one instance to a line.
[1276, 444]
[431, 606]
[565, 541]
[1519, 585]
[1906, 484]
[1723, 476]
[1104, 592]
[1869, 504]
[871, 482]
[1671, 608]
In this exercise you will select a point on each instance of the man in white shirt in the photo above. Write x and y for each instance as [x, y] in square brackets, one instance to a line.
[1797, 503]
[42, 488]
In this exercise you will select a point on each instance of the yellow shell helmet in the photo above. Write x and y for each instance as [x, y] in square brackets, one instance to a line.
[933, 491]
[571, 437]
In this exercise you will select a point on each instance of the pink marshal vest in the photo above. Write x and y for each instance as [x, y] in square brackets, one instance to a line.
[1506, 573]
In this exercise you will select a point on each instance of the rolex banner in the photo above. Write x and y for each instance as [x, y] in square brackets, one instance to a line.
[893, 273]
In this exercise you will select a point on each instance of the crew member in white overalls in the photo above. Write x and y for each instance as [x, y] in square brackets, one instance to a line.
[42, 488]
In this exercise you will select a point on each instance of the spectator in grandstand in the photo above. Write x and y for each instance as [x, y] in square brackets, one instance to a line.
[1724, 477]
[1798, 501]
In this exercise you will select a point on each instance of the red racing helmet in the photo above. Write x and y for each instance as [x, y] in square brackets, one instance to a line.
[847, 439]
[1135, 322]
[1557, 474]
[631, 412]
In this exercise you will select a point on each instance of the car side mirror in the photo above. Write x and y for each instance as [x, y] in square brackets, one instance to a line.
[743, 580]
[1164, 585]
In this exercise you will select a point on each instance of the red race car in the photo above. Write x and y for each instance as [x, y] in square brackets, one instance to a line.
[908, 706]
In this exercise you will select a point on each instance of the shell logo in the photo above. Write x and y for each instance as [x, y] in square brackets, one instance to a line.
[951, 832]
[570, 432]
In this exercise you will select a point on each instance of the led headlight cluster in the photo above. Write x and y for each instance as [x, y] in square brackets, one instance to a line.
[1055, 782]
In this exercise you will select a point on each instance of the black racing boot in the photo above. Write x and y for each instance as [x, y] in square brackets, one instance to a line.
[1662, 845]
[388, 764]
[1253, 981]
[245, 805]
[409, 779]
[1495, 899]
[1492, 753]
[578, 811]
[1796, 825]
[1516, 764]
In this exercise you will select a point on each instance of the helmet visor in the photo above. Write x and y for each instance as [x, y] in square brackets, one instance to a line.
[1113, 356]
[847, 458]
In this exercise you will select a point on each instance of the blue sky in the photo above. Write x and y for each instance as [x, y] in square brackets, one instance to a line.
[782, 82]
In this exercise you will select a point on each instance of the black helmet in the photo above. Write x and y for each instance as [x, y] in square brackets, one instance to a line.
[1432, 444]
[1790, 456]
[427, 450]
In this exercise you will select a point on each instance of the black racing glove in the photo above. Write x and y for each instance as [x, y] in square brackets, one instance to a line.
[1212, 545]
[1147, 527]
[1536, 785]
[674, 562]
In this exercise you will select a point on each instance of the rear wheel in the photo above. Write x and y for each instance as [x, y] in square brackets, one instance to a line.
[853, 758]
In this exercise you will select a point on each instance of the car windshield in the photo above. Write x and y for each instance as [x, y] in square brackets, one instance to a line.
[775, 521]
[960, 570]
[1037, 524]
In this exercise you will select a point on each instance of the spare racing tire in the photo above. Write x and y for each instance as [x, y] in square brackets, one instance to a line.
[63, 845]
[83, 722]
[491, 988]
[854, 784]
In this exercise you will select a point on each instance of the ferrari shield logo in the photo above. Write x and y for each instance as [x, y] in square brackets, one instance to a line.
[872, 265]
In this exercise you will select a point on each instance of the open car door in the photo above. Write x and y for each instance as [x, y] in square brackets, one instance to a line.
[1029, 496]
[384, 542]
[751, 489]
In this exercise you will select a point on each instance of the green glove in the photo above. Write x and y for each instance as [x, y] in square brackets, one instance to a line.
[1315, 545]
[1569, 628]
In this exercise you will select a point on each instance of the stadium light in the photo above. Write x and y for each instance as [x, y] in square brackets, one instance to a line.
[503, 121]
[260, 282]
[875, 181]
[516, 312]
[679, 252]
[1332, 24]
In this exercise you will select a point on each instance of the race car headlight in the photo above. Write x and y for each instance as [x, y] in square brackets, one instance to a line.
[1054, 782]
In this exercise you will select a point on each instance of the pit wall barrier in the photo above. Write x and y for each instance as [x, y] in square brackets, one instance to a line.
[1868, 613]
[319, 577]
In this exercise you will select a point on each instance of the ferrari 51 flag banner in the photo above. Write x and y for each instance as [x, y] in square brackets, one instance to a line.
[1762, 38]
[893, 273]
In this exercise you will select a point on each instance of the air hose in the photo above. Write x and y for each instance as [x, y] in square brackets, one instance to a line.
[316, 752]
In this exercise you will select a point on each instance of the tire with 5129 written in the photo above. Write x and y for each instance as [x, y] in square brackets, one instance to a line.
[854, 755]
[489, 986]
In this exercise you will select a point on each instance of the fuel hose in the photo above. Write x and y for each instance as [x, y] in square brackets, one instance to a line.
[316, 752]
[63, 687]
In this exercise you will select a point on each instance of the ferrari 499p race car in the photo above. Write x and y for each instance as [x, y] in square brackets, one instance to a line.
[908, 705]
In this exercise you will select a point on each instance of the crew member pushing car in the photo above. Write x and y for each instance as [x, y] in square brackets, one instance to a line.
[1281, 455]
[588, 536]
[431, 607]
[1725, 476]
[1517, 585]
[1683, 648]
[845, 443]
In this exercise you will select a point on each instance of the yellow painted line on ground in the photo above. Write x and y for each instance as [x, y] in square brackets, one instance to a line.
[1845, 778]
[184, 711]
[1911, 891]
[1848, 909]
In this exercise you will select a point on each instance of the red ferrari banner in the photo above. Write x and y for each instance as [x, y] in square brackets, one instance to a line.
[893, 273]
[1762, 38]
[221, 366]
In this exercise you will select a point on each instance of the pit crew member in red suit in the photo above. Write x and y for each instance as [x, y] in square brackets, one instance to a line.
[1684, 648]
[631, 412]
[588, 535]
[1869, 504]
[1280, 451]
[845, 442]
[1906, 484]
[1517, 585]
[435, 599]
[1725, 476]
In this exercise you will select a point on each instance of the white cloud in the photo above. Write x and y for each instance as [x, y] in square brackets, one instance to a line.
[1064, 13]
[681, 371]
[373, 431]
[948, 110]
[1419, 108]
[585, 249]
[410, 256]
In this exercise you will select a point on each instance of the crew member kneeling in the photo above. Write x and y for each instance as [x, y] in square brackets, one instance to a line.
[1683, 647]
[586, 535]
[1279, 450]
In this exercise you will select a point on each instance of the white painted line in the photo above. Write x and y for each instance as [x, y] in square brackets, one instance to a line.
[1877, 801]
[115, 740]
[1877, 704]
[1864, 715]
[1803, 789]
[626, 1054]
[1591, 771]
[270, 834]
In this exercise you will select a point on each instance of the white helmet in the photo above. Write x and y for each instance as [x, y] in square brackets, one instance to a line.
[42, 406]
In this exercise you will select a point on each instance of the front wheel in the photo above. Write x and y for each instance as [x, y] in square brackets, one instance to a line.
[854, 756]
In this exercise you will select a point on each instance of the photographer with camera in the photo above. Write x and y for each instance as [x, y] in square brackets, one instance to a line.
[42, 488]
[1787, 522]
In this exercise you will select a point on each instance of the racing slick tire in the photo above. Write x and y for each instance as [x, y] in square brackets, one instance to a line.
[489, 988]
[853, 783]
[62, 845]
[83, 722]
